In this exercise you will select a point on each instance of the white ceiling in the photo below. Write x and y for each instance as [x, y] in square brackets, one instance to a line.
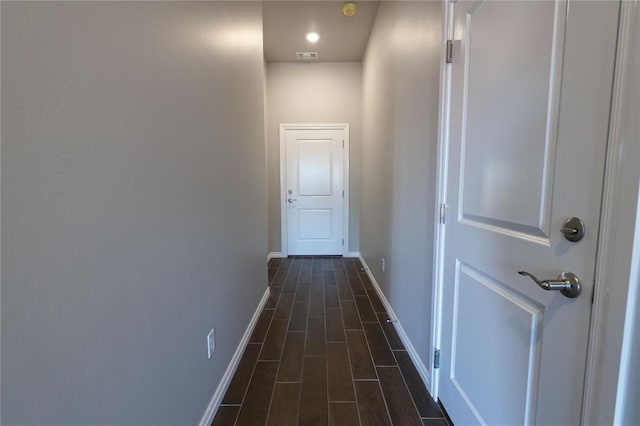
[342, 38]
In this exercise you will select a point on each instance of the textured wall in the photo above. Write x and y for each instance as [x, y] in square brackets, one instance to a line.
[313, 93]
[133, 206]
[400, 112]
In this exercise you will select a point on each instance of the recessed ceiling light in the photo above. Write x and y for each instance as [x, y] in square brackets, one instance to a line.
[313, 37]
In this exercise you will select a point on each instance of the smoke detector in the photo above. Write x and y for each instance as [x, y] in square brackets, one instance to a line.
[350, 8]
[307, 56]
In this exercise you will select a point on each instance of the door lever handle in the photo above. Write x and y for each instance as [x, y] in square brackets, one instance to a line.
[291, 200]
[567, 283]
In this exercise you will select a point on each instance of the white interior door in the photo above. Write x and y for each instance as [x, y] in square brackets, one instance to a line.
[314, 191]
[529, 108]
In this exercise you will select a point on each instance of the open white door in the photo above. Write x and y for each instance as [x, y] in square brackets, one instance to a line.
[529, 109]
[313, 189]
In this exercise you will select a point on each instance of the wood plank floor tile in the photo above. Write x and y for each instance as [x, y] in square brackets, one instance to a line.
[331, 299]
[335, 327]
[316, 343]
[316, 299]
[356, 286]
[273, 343]
[359, 356]
[327, 264]
[226, 415]
[434, 422]
[365, 310]
[343, 414]
[256, 404]
[262, 326]
[352, 271]
[302, 292]
[279, 279]
[390, 331]
[271, 274]
[344, 290]
[317, 278]
[340, 273]
[317, 265]
[306, 271]
[376, 302]
[240, 382]
[298, 320]
[380, 350]
[284, 407]
[340, 381]
[350, 316]
[290, 284]
[366, 282]
[329, 278]
[313, 399]
[427, 407]
[275, 262]
[399, 403]
[283, 309]
[274, 295]
[371, 403]
[292, 358]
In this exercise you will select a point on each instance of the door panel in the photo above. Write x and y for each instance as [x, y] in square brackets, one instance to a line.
[314, 183]
[507, 330]
[509, 110]
[529, 108]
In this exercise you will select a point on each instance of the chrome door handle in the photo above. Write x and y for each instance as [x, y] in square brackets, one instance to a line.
[567, 283]
[291, 200]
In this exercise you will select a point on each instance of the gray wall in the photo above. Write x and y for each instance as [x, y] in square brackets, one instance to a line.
[313, 93]
[400, 111]
[133, 206]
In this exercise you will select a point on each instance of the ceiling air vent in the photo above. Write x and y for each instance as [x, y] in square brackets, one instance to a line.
[307, 56]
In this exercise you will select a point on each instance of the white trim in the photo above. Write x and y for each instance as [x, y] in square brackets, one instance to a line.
[423, 371]
[441, 195]
[283, 179]
[275, 255]
[216, 400]
[604, 390]
[355, 254]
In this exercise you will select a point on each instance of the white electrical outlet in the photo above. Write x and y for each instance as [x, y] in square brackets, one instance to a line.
[384, 264]
[211, 343]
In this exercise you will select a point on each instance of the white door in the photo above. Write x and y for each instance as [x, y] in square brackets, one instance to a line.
[529, 108]
[314, 191]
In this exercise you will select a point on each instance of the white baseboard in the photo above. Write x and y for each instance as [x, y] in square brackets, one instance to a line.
[411, 350]
[216, 400]
[355, 254]
[275, 255]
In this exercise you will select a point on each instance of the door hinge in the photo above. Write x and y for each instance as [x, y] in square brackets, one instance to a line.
[443, 213]
[343, 143]
[436, 358]
[343, 193]
[343, 242]
[449, 58]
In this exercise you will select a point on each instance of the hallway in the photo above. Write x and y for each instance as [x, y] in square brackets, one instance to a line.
[322, 352]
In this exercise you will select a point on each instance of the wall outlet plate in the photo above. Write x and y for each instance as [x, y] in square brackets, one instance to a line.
[211, 343]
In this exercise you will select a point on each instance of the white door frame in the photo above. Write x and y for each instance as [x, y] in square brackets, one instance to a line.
[598, 402]
[283, 179]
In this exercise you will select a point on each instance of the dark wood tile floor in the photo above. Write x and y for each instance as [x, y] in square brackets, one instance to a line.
[322, 353]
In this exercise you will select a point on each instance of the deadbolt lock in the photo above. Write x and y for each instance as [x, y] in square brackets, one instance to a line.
[573, 229]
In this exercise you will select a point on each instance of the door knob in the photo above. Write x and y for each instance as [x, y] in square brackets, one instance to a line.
[291, 200]
[567, 283]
